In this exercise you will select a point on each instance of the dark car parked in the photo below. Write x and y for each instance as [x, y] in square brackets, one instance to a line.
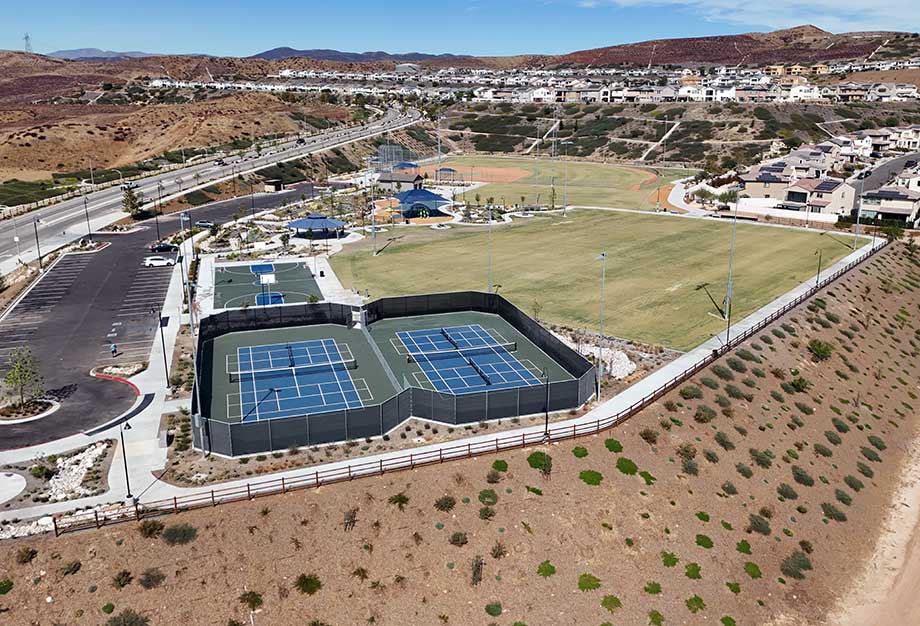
[164, 247]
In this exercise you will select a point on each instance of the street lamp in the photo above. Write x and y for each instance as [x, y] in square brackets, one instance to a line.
[819, 252]
[728, 290]
[600, 343]
[162, 322]
[490, 249]
[858, 207]
[16, 236]
[124, 455]
[565, 184]
[35, 222]
[89, 230]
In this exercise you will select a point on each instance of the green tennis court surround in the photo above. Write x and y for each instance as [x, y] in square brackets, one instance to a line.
[238, 285]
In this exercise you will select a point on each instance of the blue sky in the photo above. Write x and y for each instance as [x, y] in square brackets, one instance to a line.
[482, 27]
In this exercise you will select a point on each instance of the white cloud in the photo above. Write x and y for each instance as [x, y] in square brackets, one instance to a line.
[833, 15]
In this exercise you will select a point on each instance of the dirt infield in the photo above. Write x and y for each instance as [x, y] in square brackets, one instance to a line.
[482, 174]
[665, 192]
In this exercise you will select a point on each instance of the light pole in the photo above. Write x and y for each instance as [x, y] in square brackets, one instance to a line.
[565, 183]
[600, 342]
[41, 267]
[89, 230]
[121, 178]
[490, 249]
[160, 320]
[728, 291]
[819, 252]
[159, 209]
[858, 208]
[16, 236]
[124, 455]
[546, 407]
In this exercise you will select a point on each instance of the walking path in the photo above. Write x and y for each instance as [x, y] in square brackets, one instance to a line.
[147, 457]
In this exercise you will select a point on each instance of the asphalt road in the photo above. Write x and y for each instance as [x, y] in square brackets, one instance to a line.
[64, 222]
[881, 175]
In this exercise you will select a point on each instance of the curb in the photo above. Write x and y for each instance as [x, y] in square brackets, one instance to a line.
[125, 381]
[55, 405]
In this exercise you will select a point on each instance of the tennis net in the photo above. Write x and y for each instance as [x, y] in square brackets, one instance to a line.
[499, 348]
[449, 338]
[243, 373]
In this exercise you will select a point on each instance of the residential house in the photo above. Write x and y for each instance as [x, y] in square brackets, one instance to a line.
[892, 203]
[400, 181]
[761, 184]
[819, 195]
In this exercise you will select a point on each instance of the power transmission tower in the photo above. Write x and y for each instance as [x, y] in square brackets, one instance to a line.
[28, 41]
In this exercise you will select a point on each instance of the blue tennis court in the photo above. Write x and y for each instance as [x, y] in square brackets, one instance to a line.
[270, 297]
[262, 268]
[466, 359]
[293, 379]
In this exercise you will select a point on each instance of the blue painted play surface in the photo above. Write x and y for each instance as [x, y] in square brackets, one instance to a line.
[465, 359]
[271, 297]
[262, 268]
[293, 379]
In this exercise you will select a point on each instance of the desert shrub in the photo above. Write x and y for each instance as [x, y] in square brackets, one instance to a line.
[723, 372]
[704, 414]
[179, 534]
[580, 452]
[627, 466]
[400, 500]
[494, 609]
[870, 454]
[541, 461]
[736, 364]
[308, 584]
[546, 569]
[843, 497]
[777, 396]
[611, 603]
[649, 436]
[853, 483]
[128, 617]
[722, 401]
[832, 512]
[122, 579]
[795, 565]
[804, 408]
[690, 467]
[493, 477]
[735, 392]
[150, 528]
[488, 497]
[822, 450]
[445, 503]
[747, 355]
[71, 568]
[820, 350]
[723, 440]
[670, 405]
[711, 456]
[833, 437]
[761, 458]
[877, 443]
[691, 392]
[786, 491]
[744, 470]
[458, 539]
[251, 600]
[686, 450]
[152, 577]
[749, 382]
[613, 445]
[729, 488]
[840, 425]
[758, 524]
[864, 469]
[500, 465]
[6, 585]
[802, 477]
[591, 477]
[709, 382]
[486, 513]
[799, 385]
[588, 582]
[25, 554]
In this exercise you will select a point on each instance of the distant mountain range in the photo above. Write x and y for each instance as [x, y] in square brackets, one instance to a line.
[95, 54]
[350, 57]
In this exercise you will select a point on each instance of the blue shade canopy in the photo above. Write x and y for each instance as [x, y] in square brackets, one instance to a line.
[316, 222]
[419, 195]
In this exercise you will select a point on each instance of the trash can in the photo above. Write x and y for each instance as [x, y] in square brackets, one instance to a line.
[322, 273]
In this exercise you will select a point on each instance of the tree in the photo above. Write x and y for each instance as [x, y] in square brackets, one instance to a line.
[23, 380]
[285, 239]
[892, 232]
[132, 201]
[536, 307]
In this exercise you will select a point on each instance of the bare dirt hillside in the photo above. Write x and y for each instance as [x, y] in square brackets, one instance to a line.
[911, 76]
[38, 140]
[750, 496]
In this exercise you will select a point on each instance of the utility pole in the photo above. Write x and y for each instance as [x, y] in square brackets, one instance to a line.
[89, 230]
[41, 267]
[124, 456]
[163, 344]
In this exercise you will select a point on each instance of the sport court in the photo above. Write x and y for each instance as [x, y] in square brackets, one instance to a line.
[465, 359]
[293, 378]
[290, 372]
[263, 284]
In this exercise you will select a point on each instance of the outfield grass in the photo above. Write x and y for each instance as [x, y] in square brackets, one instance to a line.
[654, 265]
[590, 184]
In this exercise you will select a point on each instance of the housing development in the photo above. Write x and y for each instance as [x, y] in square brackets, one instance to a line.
[626, 334]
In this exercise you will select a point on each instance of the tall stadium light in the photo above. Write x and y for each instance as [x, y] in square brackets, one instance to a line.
[490, 249]
[437, 174]
[565, 183]
[602, 257]
[858, 206]
[728, 290]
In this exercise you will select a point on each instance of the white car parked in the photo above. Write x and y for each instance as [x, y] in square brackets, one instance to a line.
[158, 261]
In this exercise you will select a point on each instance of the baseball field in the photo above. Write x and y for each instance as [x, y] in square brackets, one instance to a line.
[546, 265]
[588, 184]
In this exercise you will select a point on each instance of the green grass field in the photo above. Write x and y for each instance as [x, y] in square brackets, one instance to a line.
[654, 265]
[590, 184]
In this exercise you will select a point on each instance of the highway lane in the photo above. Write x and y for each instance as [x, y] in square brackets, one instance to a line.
[66, 221]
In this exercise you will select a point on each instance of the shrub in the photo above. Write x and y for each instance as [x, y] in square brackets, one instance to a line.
[736, 364]
[840, 425]
[179, 534]
[752, 570]
[864, 469]
[709, 382]
[747, 355]
[613, 445]
[877, 443]
[445, 503]
[546, 569]
[743, 547]
[500, 465]
[870, 454]
[794, 565]
[777, 396]
[668, 559]
[127, 617]
[722, 401]
[723, 372]
[25, 554]
[541, 461]
[591, 477]
[843, 497]
[691, 392]
[6, 585]
[611, 603]
[761, 458]
[308, 584]
[458, 539]
[833, 437]
[488, 497]
[649, 436]
[735, 392]
[704, 542]
[704, 414]
[71, 568]
[486, 513]
[150, 528]
[729, 488]
[588, 582]
[251, 600]
[399, 499]
[832, 512]
[695, 604]
[580, 452]
[822, 450]
[802, 477]
[652, 588]
[744, 470]
[723, 440]
[758, 524]
[804, 408]
[494, 609]
[152, 577]
[626, 466]
[786, 491]
[711, 456]
[690, 467]
[686, 451]
[692, 571]
[820, 350]
[853, 483]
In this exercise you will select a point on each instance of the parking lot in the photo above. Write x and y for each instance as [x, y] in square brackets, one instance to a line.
[134, 323]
